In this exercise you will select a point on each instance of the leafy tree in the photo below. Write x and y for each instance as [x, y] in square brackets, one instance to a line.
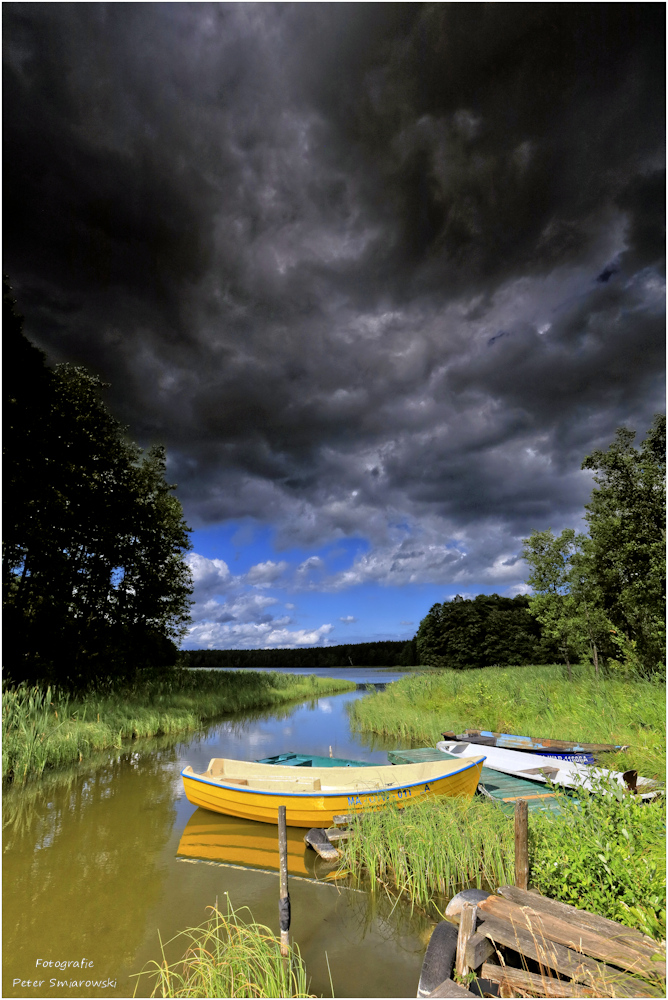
[94, 579]
[627, 549]
[605, 592]
[554, 603]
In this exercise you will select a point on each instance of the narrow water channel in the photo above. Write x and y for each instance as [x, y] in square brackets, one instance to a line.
[97, 862]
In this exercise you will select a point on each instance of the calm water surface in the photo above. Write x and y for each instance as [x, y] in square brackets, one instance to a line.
[97, 862]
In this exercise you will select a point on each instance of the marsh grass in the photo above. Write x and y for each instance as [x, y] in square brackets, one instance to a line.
[44, 728]
[229, 956]
[533, 700]
[433, 848]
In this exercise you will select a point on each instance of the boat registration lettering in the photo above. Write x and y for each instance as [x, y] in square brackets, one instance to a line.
[404, 793]
[427, 788]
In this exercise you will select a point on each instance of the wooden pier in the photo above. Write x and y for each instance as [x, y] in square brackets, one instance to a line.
[504, 789]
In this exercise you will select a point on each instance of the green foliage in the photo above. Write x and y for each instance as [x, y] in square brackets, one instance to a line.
[606, 853]
[44, 728]
[230, 955]
[361, 654]
[432, 848]
[487, 630]
[626, 549]
[94, 577]
[534, 701]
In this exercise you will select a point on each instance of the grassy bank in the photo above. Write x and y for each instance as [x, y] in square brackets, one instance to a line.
[43, 729]
[603, 853]
[229, 956]
[534, 701]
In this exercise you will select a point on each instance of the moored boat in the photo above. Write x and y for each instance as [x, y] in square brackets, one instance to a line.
[580, 753]
[536, 767]
[313, 796]
[312, 760]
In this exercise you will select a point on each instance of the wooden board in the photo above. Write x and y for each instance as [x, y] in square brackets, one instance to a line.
[547, 927]
[546, 986]
[505, 789]
[551, 955]
[592, 922]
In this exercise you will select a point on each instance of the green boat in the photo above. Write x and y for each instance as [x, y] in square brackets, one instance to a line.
[311, 760]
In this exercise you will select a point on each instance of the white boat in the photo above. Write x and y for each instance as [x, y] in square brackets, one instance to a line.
[539, 768]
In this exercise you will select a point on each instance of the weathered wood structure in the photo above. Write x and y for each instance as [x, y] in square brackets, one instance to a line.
[529, 945]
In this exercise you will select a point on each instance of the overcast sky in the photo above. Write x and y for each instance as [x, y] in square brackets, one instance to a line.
[379, 276]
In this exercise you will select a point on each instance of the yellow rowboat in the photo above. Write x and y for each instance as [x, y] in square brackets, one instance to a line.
[232, 841]
[314, 796]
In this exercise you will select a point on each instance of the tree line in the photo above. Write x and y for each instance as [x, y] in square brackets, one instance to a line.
[94, 581]
[359, 654]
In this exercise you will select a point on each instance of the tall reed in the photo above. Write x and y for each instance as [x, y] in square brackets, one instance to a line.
[431, 849]
[43, 728]
[229, 956]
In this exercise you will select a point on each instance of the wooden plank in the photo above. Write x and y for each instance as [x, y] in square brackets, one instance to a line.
[336, 835]
[551, 955]
[341, 820]
[546, 986]
[578, 939]
[450, 989]
[584, 920]
[479, 949]
[521, 844]
[467, 922]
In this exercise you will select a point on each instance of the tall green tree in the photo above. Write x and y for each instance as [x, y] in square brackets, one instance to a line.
[94, 578]
[605, 592]
[626, 517]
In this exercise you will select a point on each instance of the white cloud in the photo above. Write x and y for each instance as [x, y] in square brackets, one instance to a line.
[348, 620]
[247, 635]
[265, 574]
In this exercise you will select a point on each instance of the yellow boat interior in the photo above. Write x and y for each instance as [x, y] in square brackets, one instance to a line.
[284, 779]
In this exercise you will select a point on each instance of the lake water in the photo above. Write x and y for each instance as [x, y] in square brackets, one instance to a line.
[97, 862]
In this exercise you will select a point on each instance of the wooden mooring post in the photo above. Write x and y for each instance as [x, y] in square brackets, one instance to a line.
[522, 844]
[284, 898]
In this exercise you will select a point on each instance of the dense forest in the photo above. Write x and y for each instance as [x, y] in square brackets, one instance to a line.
[486, 631]
[362, 654]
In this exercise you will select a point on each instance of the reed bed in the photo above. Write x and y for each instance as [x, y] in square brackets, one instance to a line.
[45, 728]
[432, 849]
[229, 956]
[532, 700]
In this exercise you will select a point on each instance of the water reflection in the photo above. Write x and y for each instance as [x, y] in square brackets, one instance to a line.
[95, 864]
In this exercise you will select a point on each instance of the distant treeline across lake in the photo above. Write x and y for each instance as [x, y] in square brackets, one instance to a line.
[361, 654]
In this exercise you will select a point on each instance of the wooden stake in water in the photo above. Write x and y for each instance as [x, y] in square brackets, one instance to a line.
[522, 844]
[284, 898]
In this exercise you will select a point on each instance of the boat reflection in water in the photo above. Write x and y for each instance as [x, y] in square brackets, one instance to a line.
[244, 843]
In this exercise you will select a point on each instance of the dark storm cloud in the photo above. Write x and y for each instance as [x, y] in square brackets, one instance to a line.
[346, 260]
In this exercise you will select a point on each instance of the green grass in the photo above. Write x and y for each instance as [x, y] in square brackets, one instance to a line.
[531, 701]
[605, 853]
[431, 849]
[45, 728]
[229, 956]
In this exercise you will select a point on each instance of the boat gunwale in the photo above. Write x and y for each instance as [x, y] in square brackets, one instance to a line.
[320, 794]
